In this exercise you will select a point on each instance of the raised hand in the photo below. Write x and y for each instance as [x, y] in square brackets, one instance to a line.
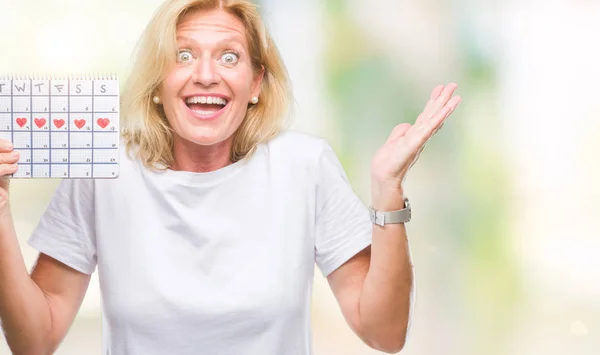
[404, 145]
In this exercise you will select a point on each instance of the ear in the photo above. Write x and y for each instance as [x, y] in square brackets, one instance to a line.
[258, 78]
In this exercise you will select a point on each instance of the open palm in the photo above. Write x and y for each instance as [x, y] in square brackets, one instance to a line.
[405, 143]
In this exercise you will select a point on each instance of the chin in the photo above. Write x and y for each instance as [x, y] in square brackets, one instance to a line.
[203, 136]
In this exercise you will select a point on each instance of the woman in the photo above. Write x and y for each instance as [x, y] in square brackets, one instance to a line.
[206, 242]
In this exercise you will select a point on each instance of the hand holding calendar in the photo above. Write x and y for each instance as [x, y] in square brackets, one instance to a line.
[8, 166]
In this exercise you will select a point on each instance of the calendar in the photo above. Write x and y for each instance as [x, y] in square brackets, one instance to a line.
[64, 127]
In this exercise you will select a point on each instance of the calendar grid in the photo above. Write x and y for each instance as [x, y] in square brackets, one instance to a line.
[74, 163]
[68, 95]
[93, 125]
[49, 129]
[31, 124]
[55, 149]
[69, 127]
[12, 114]
[62, 126]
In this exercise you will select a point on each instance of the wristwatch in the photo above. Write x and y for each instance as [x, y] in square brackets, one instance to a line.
[382, 218]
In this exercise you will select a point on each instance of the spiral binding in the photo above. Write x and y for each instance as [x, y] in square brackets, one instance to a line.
[59, 76]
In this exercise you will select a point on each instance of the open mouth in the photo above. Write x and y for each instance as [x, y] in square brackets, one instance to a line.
[206, 106]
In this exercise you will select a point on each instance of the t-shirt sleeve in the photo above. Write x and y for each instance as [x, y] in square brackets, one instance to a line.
[66, 230]
[343, 225]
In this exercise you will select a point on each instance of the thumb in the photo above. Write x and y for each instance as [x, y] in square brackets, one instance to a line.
[398, 131]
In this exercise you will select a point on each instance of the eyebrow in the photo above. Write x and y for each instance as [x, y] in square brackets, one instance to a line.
[224, 41]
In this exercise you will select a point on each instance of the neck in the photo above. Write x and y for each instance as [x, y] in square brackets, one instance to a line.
[197, 158]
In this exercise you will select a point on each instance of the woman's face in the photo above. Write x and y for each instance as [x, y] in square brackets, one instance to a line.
[206, 94]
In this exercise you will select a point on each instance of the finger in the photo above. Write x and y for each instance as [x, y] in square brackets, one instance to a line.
[416, 136]
[426, 114]
[5, 146]
[7, 169]
[437, 129]
[435, 93]
[420, 133]
[443, 99]
[9, 158]
[423, 129]
[445, 112]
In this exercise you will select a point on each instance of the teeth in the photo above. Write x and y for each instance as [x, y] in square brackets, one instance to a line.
[204, 113]
[207, 100]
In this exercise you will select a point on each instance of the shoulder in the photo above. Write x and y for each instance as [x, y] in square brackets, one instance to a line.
[294, 145]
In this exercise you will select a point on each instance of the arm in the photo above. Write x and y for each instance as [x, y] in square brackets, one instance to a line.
[373, 288]
[36, 311]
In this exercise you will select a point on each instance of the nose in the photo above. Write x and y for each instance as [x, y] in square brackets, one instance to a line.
[205, 72]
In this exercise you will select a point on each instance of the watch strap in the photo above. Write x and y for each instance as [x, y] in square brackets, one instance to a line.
[392, 217]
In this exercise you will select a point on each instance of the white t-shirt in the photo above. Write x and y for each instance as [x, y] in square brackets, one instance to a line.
[210, 263]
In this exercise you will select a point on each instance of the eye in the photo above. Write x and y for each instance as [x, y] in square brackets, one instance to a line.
[184, 56]
[229, 58]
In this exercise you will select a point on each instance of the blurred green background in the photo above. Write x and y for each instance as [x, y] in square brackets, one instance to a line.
[504, 234]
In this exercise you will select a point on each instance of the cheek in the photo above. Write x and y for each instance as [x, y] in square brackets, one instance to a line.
[174, 82]
[240, 83]
[170, 89]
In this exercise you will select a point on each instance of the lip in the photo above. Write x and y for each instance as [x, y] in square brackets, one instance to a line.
[185, 97]
[210, 117]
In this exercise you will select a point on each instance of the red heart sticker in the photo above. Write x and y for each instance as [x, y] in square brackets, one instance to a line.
[103, 122]
[59, 123]
[79, 123]
[21, 121]
[40, 122]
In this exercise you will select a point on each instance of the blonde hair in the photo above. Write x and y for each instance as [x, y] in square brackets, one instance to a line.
[145, 126]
